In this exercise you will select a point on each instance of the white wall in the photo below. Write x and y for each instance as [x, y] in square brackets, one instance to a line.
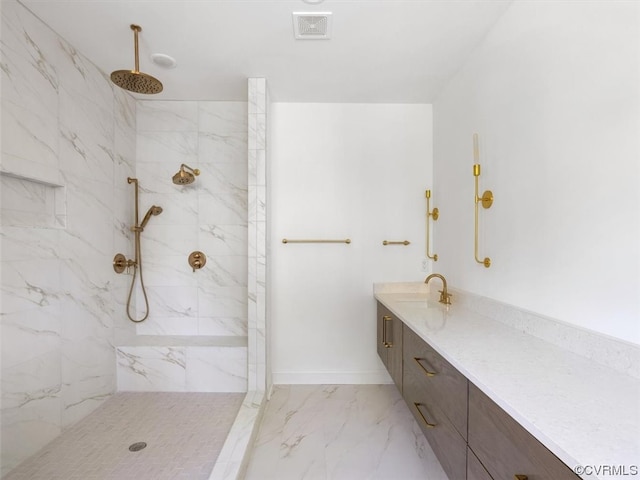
[341, 171]
[553, 92]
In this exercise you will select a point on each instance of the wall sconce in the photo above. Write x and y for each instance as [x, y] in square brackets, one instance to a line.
[486, 200]
[435, 213]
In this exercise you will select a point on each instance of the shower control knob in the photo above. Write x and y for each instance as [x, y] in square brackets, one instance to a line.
[197, 260]
[120, 263]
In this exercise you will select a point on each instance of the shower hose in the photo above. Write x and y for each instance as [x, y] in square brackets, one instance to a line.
[137, 265]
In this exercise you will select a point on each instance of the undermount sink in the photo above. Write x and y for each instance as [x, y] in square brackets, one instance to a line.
[431, 314]
[419, 303]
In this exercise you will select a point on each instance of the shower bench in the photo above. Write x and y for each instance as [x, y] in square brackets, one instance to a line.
[162, 363]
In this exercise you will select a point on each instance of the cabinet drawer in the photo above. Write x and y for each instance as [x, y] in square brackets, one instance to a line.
[444, 383]
[446, 442]
[505, 448]
[475, 470]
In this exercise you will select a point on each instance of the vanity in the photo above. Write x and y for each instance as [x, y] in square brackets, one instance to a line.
[497, 403]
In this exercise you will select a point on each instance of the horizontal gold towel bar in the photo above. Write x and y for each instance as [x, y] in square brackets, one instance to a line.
[347, 240]
[387, 242]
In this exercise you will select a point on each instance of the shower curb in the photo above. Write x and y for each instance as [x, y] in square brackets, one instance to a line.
[232, 462]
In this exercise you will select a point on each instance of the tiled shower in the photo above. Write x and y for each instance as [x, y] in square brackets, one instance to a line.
[209, 305]
[69, 142]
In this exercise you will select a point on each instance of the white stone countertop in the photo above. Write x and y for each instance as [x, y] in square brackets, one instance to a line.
[585, 413]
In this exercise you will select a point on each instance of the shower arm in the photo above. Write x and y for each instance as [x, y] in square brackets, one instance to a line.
[136, 29]
[195, 171]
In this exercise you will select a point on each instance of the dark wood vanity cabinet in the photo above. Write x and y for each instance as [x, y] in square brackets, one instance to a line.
[475, 470]
[448, 445]
[473, 438]
[436, 394]
[390, 343]
[438, 378]
[505, 448]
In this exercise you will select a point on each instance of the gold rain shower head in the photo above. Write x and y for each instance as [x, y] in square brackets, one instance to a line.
[134, 80]
[185, 178]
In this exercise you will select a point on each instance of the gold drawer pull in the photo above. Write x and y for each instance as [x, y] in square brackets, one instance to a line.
[521, 477]
[385, 319]
[426, 422]
[428, 373]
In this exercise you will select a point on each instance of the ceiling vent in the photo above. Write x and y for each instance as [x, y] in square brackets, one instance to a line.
[312, 25]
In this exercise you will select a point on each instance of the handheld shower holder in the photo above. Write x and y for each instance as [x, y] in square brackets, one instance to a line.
[122, 264]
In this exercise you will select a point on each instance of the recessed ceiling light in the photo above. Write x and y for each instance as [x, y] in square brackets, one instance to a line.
[313, 2]
[164, 61]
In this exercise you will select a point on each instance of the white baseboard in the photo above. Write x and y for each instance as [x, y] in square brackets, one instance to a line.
[324, 378]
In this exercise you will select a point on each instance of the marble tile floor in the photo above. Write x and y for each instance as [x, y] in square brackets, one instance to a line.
[184, 433]
[340, 432]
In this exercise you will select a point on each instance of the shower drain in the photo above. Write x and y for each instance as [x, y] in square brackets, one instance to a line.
[136, 447]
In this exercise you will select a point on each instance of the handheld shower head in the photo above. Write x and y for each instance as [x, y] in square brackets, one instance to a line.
[154, 210]
[185, 178]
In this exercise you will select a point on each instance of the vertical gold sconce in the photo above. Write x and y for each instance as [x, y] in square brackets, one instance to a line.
[486, 200]
[433, 214]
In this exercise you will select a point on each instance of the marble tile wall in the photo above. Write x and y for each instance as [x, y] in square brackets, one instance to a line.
[182, 369]
[64, 127]
[257, 246]
[209, 215]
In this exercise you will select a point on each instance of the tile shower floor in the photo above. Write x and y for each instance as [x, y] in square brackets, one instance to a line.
[340, 432]
[184, 433]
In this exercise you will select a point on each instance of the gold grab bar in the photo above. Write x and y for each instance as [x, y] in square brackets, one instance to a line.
[428, 373]
[387, 242]
[435, 213]
[426, 422]
[346, 240]
[486, 200]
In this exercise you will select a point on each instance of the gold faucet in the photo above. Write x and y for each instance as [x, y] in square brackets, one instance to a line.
[444, 296]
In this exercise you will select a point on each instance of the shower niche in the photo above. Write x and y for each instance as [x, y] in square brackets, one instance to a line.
[30, 202]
